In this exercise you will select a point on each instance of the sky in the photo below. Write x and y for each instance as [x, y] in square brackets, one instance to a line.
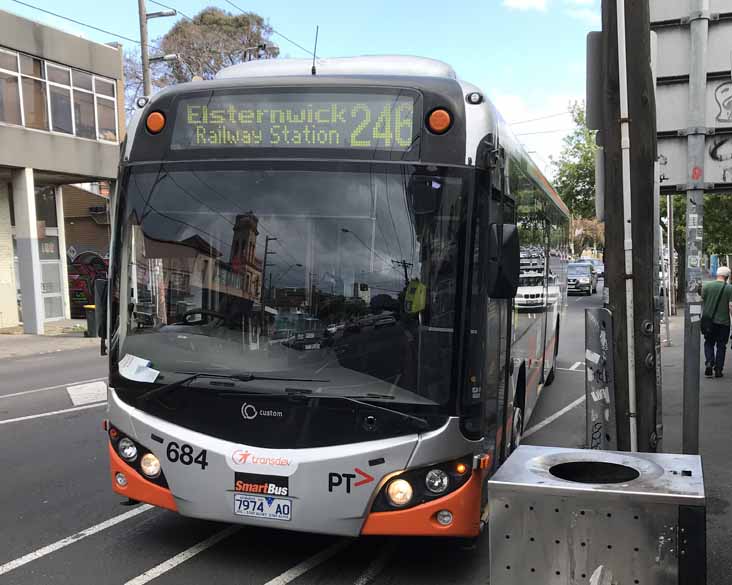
[528, 56]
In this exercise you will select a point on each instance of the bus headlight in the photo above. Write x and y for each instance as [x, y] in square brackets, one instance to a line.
[437, 481]
[127, 449]
[399, 493]
[150, 465]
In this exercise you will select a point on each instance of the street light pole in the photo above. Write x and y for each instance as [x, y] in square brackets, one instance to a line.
[145, 49]
[145, 57]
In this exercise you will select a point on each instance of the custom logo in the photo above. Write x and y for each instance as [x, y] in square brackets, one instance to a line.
[266, 485]
[246, 457]
[250, 412]
[336, 480]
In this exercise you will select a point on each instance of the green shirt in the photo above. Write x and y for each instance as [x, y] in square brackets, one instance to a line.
[710, 292]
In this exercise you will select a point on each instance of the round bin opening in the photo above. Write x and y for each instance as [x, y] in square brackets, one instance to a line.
[594, 472]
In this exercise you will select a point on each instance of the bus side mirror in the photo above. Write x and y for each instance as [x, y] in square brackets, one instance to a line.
[100, 312]
[504, 261]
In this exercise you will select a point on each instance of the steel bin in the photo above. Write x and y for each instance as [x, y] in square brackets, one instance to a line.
[571, 516]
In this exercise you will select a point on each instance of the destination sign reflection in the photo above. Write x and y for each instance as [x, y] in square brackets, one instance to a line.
[374, 122]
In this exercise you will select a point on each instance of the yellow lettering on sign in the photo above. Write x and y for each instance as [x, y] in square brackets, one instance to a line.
[356, 139]
[194, 114]
[246, 116]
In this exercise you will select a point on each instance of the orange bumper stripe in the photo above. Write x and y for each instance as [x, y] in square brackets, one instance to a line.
[138, 488]
[464, 503]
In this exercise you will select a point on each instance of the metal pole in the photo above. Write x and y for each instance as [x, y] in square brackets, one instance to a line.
[145, 56]
[667, 286]
[671, 254]
[628, 230]
[699, 25]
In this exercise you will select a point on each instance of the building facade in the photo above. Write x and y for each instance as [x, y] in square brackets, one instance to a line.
[61, 122]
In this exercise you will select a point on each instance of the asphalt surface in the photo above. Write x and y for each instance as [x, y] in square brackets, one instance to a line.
[63, 524]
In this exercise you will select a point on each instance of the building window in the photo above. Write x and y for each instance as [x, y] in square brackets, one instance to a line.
[106, 119]
[84, 114]
[34, 103]
[47, 96]
[9, 99]
[61, 109]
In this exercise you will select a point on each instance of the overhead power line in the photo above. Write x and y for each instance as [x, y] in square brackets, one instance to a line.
[545, 132]
[557, 115]
[278, 33]
[183, 14]
[91, 26]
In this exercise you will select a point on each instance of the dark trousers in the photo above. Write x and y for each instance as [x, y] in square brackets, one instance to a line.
[718, 338]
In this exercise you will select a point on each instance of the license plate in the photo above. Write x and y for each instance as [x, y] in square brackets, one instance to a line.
[262, 507]
[313, 346]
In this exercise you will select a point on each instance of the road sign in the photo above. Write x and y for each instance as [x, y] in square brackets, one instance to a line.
[670, 21]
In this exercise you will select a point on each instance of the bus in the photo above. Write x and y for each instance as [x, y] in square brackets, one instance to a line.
[382, 205]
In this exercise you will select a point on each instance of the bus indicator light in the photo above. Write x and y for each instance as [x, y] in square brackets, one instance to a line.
[439, 121]
[461, 468]
[155, 122]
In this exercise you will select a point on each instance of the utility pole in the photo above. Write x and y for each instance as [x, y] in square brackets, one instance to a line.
[671, 252]
[145, 55]
[145, 49]
[262, 286]
[628, 137]
[405, 265]
[696, 136]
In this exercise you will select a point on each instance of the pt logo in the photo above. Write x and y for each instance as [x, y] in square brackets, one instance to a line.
[337, 480]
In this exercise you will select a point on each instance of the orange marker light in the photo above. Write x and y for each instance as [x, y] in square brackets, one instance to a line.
[439, 121]
[155, 122]
[461, 468]
[113, 433]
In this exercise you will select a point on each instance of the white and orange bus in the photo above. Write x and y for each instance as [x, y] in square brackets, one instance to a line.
[311, 299]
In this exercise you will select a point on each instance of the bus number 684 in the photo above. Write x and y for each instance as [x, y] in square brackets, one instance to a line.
[184, 454]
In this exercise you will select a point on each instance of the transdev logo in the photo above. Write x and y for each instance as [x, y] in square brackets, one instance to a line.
[246, 457]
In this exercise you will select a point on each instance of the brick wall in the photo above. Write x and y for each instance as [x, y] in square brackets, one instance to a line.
[8, 289]
[85, 231]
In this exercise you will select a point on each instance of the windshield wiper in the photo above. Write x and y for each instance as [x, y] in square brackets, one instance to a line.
[240, 377]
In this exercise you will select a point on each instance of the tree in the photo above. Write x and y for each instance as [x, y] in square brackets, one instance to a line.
[215, 39]
[211, 40]
[587, 234]
[575, 168]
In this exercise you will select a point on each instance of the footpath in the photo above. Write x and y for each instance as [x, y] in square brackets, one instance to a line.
[715, 443]
[60, 336]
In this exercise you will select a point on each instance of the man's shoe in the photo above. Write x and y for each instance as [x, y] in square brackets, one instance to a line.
[708, 372]
[717, 373]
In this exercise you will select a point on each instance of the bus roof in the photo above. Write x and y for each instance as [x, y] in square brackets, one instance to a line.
[366, 65]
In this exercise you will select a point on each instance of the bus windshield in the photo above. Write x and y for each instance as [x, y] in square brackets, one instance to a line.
[344, 277]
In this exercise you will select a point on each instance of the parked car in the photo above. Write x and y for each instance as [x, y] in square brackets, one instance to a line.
[581, 278]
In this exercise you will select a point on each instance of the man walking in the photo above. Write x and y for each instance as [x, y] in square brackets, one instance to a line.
[717, 296]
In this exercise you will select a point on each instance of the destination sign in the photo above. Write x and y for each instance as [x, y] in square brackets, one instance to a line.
[303, 120]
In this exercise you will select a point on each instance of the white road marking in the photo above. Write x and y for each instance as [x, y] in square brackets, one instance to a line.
[182, 557]
[550, 419]
[575, 365]
[53, 413]
[87, 393]
[47, 550]
[377, 565]
[571, 370]
[308, 564]
[50, 388]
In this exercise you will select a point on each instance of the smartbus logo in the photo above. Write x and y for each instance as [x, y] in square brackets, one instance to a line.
[269, 485]
[246, 457]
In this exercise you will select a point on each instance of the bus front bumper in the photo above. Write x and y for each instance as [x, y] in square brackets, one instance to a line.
[326, 490]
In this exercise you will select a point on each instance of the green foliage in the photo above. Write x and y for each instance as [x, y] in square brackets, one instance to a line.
[717, 224]
[574, 177]
[212, 40]
[215, 39]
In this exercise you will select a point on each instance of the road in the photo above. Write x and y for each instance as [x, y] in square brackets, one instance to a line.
[68, 527]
